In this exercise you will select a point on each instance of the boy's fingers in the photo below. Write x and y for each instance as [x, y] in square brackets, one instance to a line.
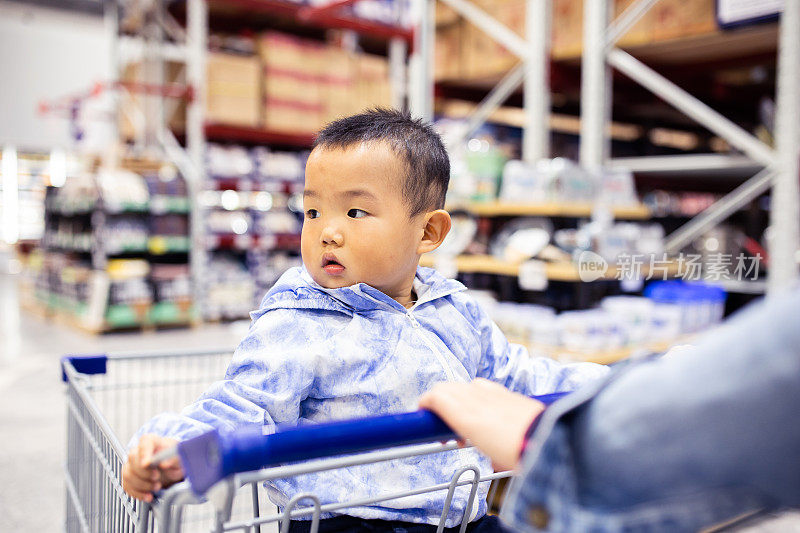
[140, 484]
[136, 487]
[139, 469]
[146, 449]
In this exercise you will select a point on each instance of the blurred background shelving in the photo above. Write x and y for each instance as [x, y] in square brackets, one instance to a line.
[229, 94]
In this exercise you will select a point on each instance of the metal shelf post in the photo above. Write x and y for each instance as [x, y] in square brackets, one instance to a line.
[782, 166]
[784, 246]
[533, 52]
[197, 46]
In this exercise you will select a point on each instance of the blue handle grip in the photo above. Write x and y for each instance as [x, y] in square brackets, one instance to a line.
[208, 458]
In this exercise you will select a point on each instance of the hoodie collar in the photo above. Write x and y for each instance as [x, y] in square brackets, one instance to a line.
[297, 289]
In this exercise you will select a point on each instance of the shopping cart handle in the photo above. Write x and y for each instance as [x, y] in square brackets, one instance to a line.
[212, 456]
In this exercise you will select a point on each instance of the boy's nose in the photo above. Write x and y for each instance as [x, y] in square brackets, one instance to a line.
[330, 235]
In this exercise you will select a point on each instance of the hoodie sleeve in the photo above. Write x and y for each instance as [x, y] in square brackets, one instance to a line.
[513, 367]
[271, 373]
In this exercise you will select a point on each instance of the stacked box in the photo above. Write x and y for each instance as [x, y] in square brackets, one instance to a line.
[449, 60]
[681, 18]
[642, 31]
[566, 29]
[484, 56]
[338, 83]
[174, 109]
[372, 83]
[292, 93]
[232, 94]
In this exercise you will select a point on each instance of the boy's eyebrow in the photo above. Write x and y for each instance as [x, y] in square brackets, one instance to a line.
[355, 193]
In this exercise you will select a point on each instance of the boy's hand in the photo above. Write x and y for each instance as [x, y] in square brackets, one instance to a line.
[139, 478]
[487, 414]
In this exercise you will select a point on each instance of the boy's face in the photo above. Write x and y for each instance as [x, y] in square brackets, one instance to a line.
[357, 228]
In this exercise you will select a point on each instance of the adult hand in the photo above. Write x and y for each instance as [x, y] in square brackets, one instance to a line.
[487, 414]
[140, 478]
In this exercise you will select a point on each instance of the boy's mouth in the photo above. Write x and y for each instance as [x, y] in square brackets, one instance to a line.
[331, 265]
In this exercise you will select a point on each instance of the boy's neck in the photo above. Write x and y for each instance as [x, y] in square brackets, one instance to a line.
[412, 299]
[405, 295]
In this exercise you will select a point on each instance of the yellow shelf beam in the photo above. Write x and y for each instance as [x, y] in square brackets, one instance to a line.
[549, 209]
[559, 271]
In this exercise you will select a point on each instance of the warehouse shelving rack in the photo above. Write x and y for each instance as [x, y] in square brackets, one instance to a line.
[415, 84]
[779, 167]
[162, 37]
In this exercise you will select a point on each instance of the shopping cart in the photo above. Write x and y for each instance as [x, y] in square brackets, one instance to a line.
[110, 396]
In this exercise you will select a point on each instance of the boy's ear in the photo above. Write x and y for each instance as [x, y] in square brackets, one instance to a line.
[437, 226]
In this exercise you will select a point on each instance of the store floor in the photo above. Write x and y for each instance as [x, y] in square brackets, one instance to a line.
[32, 407]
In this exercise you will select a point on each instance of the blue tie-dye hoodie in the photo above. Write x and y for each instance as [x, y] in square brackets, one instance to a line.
[314, 354]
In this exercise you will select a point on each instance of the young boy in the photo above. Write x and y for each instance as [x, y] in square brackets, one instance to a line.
[362, 330]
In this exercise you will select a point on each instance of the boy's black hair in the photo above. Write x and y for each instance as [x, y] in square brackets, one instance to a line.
[415, 141]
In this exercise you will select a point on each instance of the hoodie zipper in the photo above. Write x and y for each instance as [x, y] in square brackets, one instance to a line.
[447, 368]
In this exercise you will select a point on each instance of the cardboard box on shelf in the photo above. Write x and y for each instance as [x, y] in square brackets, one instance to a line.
[338, 83]
[233, 93]
[445, 15]
[373, 87]
[566, 29]
[683, 18]
[482, 55]
[292, 117]
[134, 102]
[293, 78]
[642, 31]
[281, 51]
[296, 86]
[448, 61]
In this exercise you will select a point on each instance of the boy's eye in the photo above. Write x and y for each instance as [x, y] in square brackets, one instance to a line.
[312, 213]
[357, 213]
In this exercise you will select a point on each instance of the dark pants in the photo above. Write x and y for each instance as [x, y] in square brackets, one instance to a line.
[346, 524]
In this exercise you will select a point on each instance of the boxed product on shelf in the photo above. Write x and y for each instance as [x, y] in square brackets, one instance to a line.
[681, 18]
[337, 84]
[122, 190]
[279, 166]
[229, 288]
[124, 234]
[449, 61]
[134, 72]
[291, 69]
[129, 293]
[228, 161]
[641, 32]
[233, 92]
[373, 82]
[292, 117]
[266, 268]
[483, 55]
[566, 28]
[308, 83]
[172, 293]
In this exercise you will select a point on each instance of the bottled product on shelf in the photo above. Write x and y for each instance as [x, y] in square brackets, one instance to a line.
[669, 313]
[115, 249]
[253, 218]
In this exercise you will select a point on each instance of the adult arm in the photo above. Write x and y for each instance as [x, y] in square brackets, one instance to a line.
[678, 443]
